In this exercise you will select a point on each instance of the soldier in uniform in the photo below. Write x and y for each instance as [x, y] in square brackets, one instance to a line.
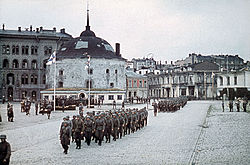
[73, 121]
[116, 124]
[10, 113]
[65, 136]
[245, 101]
[5, 151]
[134, 121]
[49, 109]
[231, 105]
[78, 129]
[108, 128]
[122, 123]
[99, 129]
[237, 103]
[155, 108]
[88, 129]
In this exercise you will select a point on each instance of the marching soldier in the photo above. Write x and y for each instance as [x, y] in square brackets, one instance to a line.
[122, 123]
[78, 129]
[99, 129]
[108, 128]
[88, 129]
[5, 151]
[116, 123]
[65, 136]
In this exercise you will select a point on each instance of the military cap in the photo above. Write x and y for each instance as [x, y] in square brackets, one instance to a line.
[2, 136]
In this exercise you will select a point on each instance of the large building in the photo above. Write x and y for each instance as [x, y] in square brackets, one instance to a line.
[23, 57]
[104, 75]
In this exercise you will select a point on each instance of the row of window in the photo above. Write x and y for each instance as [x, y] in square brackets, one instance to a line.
[25, 79]
[90, 71]
[24, 65]
[228, 80]
[135, 85]
[25, 50]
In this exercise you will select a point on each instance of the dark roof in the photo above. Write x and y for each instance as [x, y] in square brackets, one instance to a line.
[82, 46]
[205, 66]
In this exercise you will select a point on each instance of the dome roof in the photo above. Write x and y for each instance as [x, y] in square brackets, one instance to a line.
[87, 44]
[82, 46]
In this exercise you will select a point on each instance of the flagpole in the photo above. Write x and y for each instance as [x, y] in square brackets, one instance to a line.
[55, 85]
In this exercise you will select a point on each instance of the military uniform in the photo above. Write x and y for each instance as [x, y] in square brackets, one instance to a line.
[99, 129]
[78, 129]
[88, 129]
[65, 136]
[5, 151]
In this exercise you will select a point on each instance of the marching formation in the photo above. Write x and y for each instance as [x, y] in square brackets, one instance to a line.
[95, 127]
[170, 105]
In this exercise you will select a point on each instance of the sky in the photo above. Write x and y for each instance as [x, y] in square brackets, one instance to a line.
[166, 30]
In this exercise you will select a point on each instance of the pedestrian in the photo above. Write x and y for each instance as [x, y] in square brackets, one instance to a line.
[114, 104]
[231, 105]
[123, 107]
[155, 108]
[223, 105]
[99, 103]
[36, 107]
[5, 151]
[237, 103]
[10, 113]
[65, 136]
[49, 109]
[245, 101]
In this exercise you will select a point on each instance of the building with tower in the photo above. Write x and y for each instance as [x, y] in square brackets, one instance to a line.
[105, 75]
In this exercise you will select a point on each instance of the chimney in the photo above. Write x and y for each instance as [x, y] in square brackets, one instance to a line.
[117, 49]
[171, 62]
[19, 29]
[31, 28]
[54, 29]
[166, 62]
[41, 28]
[37, 30]
[62, 30]
[3, 27]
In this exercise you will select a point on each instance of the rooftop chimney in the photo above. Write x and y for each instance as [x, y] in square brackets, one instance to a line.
[19, 29]
[31, 28]
[3, 27]
[54, 29]
[171, 62]
[117, 49]
[62, 30]
[37, 30]
[41, 28]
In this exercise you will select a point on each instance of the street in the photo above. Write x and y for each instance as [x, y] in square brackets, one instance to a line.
[199, 133]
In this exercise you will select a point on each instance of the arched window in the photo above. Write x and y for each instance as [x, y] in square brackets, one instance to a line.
[15, 64]
[116, 71]
[36, 50]
[23, 50]
[35, 79]
[17, 50]
[34, 64]
[13, 49]
[25, 64]
[24, 79]
[31, 79]
[7, 49]
[221, 80]
[107, 71]
[44, 79]
[26, 50]
[5, 63]
[89, 83]
[4, 49]
[32, 50]
[44, 64]
[10, 79]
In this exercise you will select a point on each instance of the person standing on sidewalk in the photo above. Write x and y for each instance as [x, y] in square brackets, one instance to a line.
[231, 105]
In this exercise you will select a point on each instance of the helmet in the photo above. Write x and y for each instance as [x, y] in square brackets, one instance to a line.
[2, 136]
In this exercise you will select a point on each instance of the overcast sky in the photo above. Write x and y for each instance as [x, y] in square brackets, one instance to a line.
[168, 29]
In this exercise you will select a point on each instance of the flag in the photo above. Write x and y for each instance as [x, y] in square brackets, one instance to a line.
[52, 59]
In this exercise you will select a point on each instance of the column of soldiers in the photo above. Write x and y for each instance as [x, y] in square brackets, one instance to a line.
[171, 105]
[101, 126]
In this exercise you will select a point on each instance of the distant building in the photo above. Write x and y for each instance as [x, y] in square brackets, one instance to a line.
[24, 54]
[143, 63]
[196, 81]
[225, 62]
[136, 85]
[234, 83]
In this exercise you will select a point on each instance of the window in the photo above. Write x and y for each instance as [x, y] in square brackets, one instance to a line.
[111, 97]
[17, 50]
[130, 83]
[5, 63]
[24, 79]
[25, 64]
[31, 79]
[35, 79]
[44, 79]
[221, 80]
[228, 80]
[7, 49]
[15, 64]
[111, 85]
[119, 97]
[235, 80]
[139, 72]
[27, 50]
[50, 50]
[46, 50]
[145, 84]
[23, 50]
[135, 84]
[116, 71]
[60, 72]
[89, 84]
[4, 49]
[10, 79]
[34, 64]
[134, 94]
[90, 71]
[60, 84]
[140, 83]
[107, 71]
[34, 50]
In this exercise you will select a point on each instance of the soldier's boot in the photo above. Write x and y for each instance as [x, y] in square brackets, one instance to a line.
[100, 142]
